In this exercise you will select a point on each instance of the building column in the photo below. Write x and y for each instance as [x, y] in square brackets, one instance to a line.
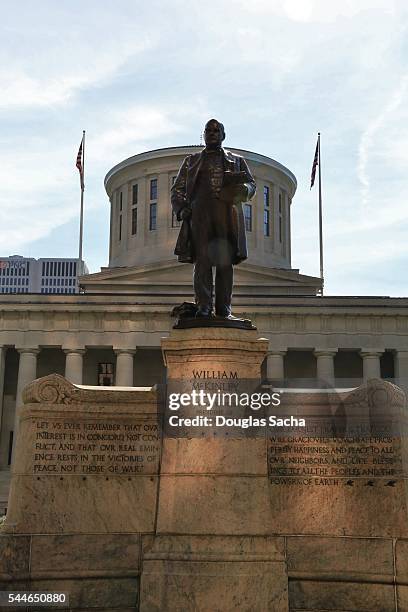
[371, 363]
[325, 364]
[275, 365]
[401, 367]
[124, 367]
[74, 365]
[27, 372]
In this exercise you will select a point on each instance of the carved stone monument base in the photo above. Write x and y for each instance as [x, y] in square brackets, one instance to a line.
[105, 507]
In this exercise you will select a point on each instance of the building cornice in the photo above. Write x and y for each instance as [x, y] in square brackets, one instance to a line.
[60, 301]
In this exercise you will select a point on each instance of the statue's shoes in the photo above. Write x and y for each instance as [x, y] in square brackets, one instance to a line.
[229, 317]
[203, 313]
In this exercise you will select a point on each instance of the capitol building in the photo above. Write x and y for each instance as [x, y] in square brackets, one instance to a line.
[110, 333]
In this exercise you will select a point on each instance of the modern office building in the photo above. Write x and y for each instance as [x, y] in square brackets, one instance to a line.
[111, 333]
[46, 275]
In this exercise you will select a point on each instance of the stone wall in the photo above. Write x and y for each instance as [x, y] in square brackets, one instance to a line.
[198, 524]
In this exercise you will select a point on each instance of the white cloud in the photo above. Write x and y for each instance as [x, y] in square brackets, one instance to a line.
[323, 11]
[50, 67]
[133, 125]
[370, 139]
[40, 190]
[128, 130]
[20, 90]
[21, 224]
[308, 11]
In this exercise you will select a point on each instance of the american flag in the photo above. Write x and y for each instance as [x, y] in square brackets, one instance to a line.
[79, 163]
[315, 163]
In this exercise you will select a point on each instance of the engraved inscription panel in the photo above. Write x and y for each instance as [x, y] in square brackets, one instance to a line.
[106, 447]
[311, 460]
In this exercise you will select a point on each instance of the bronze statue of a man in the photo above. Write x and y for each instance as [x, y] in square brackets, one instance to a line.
[207, 196]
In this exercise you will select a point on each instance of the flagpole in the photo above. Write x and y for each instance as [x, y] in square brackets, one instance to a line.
[320, 215]
[81, 217]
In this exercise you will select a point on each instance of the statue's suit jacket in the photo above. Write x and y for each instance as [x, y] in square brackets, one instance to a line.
[182, 193]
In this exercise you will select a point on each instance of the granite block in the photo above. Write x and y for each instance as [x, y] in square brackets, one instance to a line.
[14, 555]
[94, 592]
[353, 597]
[340, 555]
[401, 559]
[85, 553]
[214, 505]
[82, 505]
[174, 586]
[220, 548]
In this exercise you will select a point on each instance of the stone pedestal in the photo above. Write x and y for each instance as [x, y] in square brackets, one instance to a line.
[209, 352]
[213, 486]
[213, 497]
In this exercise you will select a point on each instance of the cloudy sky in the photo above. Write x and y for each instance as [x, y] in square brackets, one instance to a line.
[138, 76]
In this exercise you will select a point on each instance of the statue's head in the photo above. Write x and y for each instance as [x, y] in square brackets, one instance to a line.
[214, 133]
